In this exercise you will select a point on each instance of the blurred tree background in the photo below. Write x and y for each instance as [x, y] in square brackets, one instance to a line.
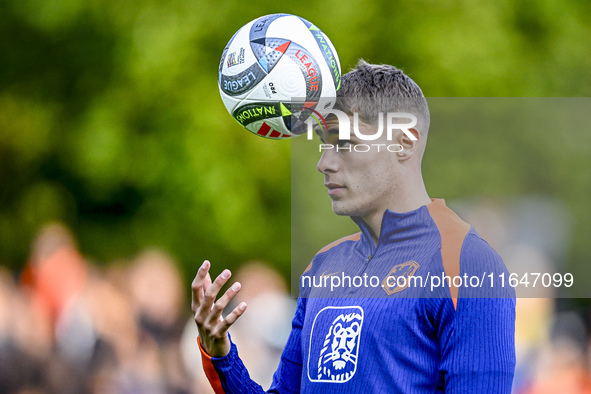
[111, 121]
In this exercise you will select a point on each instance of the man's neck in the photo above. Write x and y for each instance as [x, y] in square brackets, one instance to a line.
[401, 204]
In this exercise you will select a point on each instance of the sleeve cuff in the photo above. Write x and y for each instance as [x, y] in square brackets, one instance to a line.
[209, 369]
[226, 362]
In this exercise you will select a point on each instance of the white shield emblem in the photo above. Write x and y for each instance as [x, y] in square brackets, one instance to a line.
[334, 344]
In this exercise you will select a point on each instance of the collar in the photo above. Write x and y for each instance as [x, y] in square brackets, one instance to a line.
[398, 226]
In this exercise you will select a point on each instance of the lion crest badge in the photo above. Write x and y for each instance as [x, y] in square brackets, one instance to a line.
[334, 344]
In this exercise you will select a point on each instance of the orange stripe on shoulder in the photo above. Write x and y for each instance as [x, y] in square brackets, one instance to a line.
[210, 371]
[453, 231]
[352, 237]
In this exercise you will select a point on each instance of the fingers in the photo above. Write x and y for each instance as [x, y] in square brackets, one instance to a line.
[212, 290]
[208, 312]
[198, 284]
[202, 289]
[206, 285]
[205, 306]
[220, 305]
[231, 318]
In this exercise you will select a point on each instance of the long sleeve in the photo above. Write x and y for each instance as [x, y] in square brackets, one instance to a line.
[478, 340]
[228, 375]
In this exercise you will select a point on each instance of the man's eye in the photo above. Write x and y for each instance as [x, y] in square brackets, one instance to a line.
[345, 143]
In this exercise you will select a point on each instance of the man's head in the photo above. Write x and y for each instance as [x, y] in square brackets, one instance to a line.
[362, 181]
[369, 89]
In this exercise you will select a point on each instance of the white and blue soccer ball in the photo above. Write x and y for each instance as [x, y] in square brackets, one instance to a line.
[275, 72]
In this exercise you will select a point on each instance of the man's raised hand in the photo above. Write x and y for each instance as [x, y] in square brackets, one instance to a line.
[213, 328]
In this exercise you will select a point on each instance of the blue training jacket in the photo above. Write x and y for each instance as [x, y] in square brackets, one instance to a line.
[424, 311]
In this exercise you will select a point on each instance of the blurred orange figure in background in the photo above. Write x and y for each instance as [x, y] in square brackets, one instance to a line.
[56, 272]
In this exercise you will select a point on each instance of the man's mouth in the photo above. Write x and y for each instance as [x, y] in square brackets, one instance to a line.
[334, 188]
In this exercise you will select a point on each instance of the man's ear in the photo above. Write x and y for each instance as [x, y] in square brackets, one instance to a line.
[409, 146]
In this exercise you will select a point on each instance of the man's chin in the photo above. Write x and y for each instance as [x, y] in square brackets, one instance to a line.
[341, 210]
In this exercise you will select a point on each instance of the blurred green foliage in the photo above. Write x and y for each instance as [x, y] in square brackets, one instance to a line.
[111, 121]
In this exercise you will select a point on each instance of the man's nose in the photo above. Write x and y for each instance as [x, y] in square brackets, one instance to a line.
[328, 161]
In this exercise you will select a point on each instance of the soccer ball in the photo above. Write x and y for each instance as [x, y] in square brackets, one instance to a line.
[275, 72]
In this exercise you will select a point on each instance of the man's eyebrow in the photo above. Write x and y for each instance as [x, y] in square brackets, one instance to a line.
[330, 131]
[317, 132]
